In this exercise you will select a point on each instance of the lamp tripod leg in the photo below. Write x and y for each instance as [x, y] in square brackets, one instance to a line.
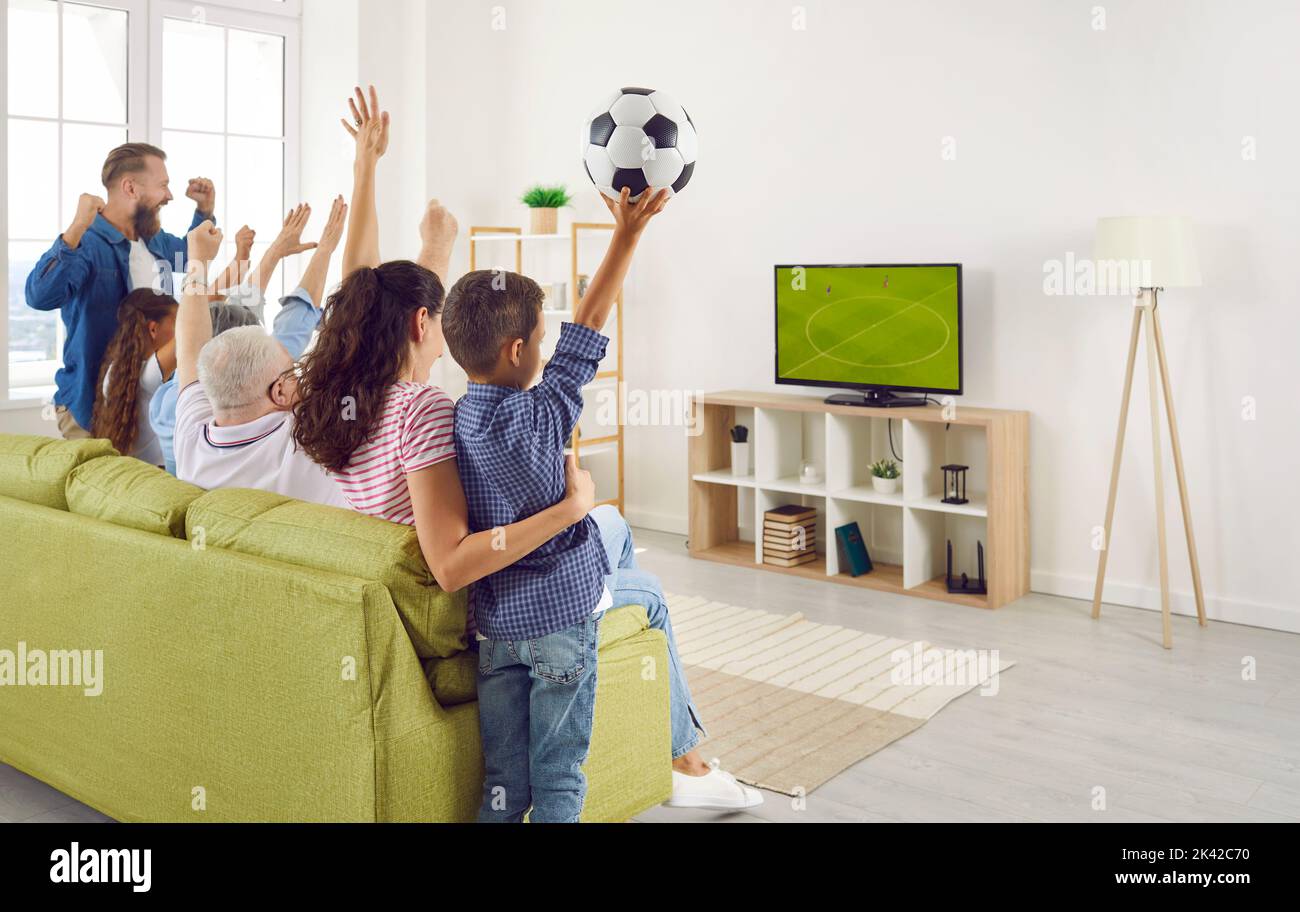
[1153, 394]
[1115, 462]
[1179, 471]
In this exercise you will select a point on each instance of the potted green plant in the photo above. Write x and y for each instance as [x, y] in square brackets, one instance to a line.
[885, 477]
[544, 205]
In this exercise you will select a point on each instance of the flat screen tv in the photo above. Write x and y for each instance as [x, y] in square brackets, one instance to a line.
[876, 328]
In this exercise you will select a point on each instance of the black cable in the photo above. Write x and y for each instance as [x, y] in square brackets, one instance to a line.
[946, 426]
[889, 423]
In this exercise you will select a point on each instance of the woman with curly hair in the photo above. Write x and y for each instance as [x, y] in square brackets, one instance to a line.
[365, 409]
[140, 356]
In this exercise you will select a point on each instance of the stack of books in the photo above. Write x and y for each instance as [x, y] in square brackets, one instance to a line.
[790, 536]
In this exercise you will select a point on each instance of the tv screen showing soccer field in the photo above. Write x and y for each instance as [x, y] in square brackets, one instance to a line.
[882, 326]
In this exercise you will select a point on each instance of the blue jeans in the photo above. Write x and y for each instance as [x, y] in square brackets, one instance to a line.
[630, 585]
[536, 701]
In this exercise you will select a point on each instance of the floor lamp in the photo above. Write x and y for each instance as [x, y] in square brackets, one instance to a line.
[1158, 253]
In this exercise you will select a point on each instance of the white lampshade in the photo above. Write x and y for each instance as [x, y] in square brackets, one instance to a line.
[1165, 242]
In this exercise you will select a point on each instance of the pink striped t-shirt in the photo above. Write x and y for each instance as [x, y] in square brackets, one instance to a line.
[414, 431]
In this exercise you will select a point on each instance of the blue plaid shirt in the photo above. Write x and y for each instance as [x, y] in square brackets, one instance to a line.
[510, 455]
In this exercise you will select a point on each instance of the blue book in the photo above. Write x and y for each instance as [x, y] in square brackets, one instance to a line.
[853, 550]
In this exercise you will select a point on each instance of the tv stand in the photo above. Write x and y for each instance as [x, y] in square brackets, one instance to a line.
[905, 531]
[876, 398]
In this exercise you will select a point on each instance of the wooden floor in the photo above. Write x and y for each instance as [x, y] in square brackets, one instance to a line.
[1092, 708]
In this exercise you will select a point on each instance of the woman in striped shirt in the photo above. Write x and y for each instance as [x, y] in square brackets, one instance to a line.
[365, 410]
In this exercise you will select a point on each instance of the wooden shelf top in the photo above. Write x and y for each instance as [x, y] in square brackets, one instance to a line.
[965, 414]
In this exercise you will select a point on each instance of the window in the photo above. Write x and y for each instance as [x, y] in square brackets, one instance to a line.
[68, 96]
[231, 125]
[81, 80]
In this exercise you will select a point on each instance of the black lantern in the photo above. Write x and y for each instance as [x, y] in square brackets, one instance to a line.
[954, 484]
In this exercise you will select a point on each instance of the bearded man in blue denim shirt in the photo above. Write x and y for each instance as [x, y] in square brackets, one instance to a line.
[111, 248]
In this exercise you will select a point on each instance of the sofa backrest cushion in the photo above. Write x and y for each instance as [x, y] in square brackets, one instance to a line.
[342, 541]
[35, 469]
[128, 492]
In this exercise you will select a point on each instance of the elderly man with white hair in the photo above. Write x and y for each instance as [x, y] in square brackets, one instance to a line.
[233, 421]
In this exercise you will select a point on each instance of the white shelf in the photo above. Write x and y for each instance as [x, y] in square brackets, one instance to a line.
[905, 530]
[791, 484]
[977, 506]
[724, 476]
[475, 238]
[868, 494]
[592, 449]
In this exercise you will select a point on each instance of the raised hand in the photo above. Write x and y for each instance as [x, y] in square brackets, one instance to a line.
[204, 242]
[438, 227]
[369, 126]
[244, 238]
[438, 230]
[289, 240]
[332, 233]
[88, 206]
[633, 217]
[204, 194]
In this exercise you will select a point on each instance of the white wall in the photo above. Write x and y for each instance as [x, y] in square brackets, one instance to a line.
[824, 145]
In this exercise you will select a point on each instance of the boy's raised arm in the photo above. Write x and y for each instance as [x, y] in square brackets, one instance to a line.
[370, 130]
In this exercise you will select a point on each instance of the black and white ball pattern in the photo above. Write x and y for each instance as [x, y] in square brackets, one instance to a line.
[639, 138]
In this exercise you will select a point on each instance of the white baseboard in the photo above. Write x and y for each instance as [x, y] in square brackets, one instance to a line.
[1232, 611]
[659, 522]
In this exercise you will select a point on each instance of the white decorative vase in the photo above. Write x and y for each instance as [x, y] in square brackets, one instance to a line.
[740, 458]
[885, 485]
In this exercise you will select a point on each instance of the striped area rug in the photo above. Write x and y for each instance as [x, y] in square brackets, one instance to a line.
[789, 703]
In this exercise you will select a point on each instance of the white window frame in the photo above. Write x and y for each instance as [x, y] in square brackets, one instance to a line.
[144, 118]
[39, 375]
[248, 15]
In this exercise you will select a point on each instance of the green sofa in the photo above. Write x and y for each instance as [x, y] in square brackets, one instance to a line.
[264, 659]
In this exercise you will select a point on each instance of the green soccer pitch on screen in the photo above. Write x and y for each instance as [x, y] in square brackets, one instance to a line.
[873, 326]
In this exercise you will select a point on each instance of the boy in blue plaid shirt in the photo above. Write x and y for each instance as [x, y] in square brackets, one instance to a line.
[537, 619]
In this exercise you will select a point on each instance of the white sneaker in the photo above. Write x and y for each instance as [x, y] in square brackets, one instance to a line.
[717, 791]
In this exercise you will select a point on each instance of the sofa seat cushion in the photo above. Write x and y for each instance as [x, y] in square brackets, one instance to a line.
[621, 623]
[35, 469]
[341, 541]
[128, 492]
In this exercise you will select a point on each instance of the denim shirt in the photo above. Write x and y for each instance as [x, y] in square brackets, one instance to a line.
[510, 456]
[85, 285]
[293, 326]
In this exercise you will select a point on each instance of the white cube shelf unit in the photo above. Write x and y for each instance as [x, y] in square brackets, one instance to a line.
[907, 532]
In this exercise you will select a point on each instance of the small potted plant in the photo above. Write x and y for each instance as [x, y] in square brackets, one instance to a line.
[885, 477]
[544, 206]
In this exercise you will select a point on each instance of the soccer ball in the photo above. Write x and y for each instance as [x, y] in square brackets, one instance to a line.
[639, 139]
